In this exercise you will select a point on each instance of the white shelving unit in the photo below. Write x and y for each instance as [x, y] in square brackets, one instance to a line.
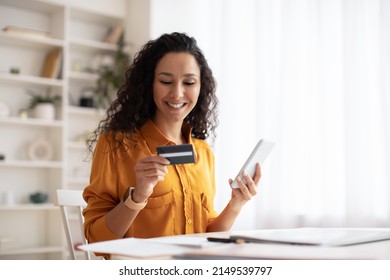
[28, 230]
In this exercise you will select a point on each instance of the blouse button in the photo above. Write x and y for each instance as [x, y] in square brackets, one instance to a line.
[189, 221]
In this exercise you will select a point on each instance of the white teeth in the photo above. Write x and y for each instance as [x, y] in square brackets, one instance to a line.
[176, 106]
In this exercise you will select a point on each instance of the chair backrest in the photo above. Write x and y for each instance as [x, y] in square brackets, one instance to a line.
[69, 200]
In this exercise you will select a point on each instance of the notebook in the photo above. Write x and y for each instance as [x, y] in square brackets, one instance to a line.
[316, 236]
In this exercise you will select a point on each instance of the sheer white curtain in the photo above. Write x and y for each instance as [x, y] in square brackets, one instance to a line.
[313, 76]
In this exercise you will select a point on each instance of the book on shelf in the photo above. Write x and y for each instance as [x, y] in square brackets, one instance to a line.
[114, 34]
[26, 31]
[52, 64]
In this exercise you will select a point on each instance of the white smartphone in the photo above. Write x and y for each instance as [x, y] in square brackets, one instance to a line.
[259, 154]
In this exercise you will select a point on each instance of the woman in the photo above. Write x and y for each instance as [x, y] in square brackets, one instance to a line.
[168, 99]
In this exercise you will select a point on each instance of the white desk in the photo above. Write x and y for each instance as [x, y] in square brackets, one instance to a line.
[375, 250]
[197, 247]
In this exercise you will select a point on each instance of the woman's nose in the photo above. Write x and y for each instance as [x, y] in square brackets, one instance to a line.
[177, 91]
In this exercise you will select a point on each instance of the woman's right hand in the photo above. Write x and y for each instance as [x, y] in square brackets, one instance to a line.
[148, 171]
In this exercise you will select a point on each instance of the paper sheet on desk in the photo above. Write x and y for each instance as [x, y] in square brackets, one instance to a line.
[134, 247]
[185, 240]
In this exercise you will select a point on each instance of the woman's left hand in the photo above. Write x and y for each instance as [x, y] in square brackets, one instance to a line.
[247, 189]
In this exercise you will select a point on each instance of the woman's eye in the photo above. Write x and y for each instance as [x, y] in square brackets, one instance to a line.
[189, 83]
[166, 82]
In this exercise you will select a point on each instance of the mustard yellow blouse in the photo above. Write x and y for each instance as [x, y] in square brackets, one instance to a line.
[181, 204]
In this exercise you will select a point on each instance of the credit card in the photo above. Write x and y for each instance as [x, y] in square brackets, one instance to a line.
[177, 154]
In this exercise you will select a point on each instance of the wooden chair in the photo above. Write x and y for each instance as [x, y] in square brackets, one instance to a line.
[71, 203]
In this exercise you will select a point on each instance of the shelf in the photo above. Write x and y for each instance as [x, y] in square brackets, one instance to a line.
[78, 181]
[77, 145]
[36, 250]
[31, 164]
[95, 16]
[39, 6]
[93, 112]
[83, 76]
[29, 207]
[19, 79]
[92, 45]
[32, 122]
[79, 30]
[31, 41]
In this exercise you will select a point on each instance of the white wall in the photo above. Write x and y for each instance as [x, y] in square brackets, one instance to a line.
[278, 53]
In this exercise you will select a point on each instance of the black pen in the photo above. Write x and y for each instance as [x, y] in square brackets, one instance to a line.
[219, 239]
[225, 240]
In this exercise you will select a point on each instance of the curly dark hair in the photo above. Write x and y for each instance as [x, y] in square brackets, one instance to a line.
[134, 104]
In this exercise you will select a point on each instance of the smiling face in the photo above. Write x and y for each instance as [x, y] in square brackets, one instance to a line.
[176, 87]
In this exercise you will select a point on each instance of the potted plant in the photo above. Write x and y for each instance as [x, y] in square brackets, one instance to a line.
[43, 105]
[111, 76]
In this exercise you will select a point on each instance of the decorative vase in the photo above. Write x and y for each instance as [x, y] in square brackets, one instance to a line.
[40, 149]
[44, 111]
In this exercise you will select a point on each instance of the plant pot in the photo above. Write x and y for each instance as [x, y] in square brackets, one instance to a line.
[44, 111]
[38, 197]
[86, 102]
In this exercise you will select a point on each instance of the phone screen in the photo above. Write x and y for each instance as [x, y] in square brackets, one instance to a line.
[259, 154]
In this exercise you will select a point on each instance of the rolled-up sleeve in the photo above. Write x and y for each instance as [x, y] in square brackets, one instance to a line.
[101, 194]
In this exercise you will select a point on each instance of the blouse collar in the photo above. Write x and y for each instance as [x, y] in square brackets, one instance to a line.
[154, 137]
